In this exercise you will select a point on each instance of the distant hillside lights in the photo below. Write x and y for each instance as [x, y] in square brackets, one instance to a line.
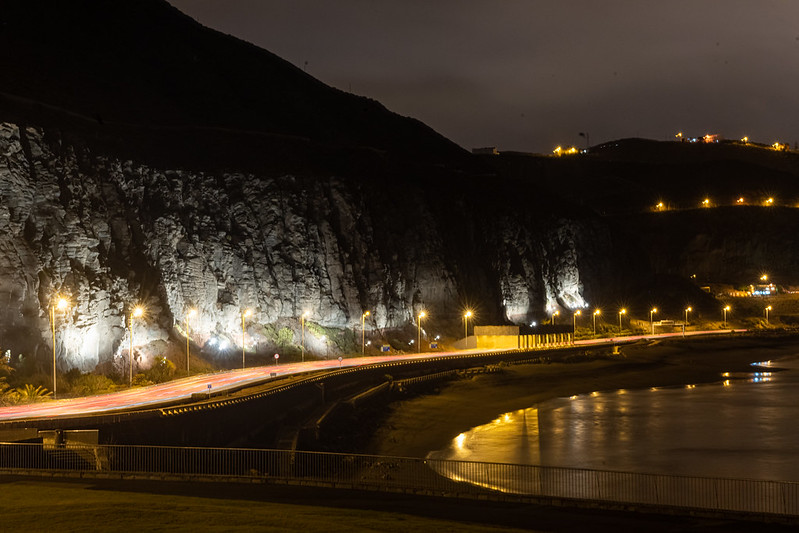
[714, 138]
[708, 203]
[559, 151]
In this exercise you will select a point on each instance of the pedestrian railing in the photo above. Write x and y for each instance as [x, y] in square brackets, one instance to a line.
[402, 474]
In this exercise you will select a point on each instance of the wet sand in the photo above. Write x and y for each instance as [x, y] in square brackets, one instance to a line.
[422, 424]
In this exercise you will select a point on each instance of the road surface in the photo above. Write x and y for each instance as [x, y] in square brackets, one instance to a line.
[181, 389]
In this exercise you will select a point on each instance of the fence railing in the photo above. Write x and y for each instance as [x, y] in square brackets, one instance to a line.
[434, 476]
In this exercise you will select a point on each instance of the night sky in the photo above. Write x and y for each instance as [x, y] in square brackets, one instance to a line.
[529, 75]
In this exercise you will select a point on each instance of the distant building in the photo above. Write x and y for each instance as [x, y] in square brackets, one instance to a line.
[515, 337]
[488, 150]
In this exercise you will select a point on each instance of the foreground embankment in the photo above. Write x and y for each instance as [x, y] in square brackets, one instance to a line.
[419, 425]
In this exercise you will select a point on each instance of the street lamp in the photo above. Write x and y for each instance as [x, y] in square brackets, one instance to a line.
[574, 320]
[621, 312]
[189, 315]
[651, 322]
[726, 309]
[61, 304]
[556, 313]
[363, 331]
[767, 309]
[466, 317]
[137, 312]
[302, 334]
[687, 310]
[244, 314]
[419, 328]
[596, 312]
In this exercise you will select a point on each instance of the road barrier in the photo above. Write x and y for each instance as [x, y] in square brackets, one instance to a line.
[491, 481]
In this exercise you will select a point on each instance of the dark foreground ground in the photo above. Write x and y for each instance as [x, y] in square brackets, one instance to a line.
[67, 505]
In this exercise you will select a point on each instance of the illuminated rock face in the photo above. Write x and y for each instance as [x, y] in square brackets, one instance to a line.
[109, 234]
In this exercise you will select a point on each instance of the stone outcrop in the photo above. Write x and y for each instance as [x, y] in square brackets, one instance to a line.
[108, 233]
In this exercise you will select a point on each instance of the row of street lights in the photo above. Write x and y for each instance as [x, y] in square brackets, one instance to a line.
[61, 304]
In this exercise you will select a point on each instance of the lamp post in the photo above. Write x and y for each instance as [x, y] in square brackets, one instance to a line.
[61, 304]
[137, 312]
[725, 310]
[466, 317]
[767, 309]
[687, 310]
[556, 313]
[302, 334]
[244, 314]
[652, 322]
[419, 329]
[363, 331]
[621, 312]
[574, 320]
[189, 315]
[596, 312]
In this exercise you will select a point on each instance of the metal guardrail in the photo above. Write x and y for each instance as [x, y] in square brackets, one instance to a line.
[400, 474]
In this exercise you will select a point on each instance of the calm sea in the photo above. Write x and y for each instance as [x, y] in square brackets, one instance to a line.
[744, 426]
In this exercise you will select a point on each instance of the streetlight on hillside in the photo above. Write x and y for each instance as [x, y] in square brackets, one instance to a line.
[466, 317]
[61, 304]
[137, 312]
[244, 315]
[189, 315]
[726, 310]
[767, 309]
[596, 312]
[652, 322]
[556, 313]
[687, 310]
[419, 328]
[574, 320]
[363, 331]
[621, 312]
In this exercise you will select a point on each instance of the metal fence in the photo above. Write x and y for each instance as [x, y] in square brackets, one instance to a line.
[401, 474]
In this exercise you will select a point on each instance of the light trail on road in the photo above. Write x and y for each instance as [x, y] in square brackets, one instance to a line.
[179, 390]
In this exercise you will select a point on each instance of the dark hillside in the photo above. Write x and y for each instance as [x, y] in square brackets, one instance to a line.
[141, 77]
[633, 175]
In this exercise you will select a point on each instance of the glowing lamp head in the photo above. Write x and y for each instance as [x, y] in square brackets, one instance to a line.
[597, 312]
[305, 314]
[365, 313]
[62, 304]
[768, 308]
[192, 313]
[556, 313]
[137, 312]
[623, 312]
[578, 313]
[467, 314]
[727, 308]
[689, 309]
[246, 313]
[422, 314]
[654, 310]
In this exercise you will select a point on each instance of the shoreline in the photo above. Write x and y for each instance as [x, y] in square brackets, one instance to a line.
[426, 423]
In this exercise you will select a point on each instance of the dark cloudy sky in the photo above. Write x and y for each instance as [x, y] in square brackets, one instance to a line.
[527, 75]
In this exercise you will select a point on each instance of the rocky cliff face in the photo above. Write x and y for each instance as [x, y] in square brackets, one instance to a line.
[108, 234]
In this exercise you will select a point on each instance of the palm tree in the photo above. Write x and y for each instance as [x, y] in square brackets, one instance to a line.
[31, 394]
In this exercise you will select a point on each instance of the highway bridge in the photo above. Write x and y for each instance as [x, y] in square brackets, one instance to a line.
[233, 407]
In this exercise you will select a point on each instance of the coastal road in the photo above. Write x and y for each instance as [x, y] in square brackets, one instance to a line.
[182, 389]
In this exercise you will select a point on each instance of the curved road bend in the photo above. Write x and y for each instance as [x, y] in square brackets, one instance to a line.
[182, 389]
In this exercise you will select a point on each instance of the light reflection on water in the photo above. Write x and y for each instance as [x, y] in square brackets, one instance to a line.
[742, 427]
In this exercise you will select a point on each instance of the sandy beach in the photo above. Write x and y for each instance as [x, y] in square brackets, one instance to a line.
[416, 426]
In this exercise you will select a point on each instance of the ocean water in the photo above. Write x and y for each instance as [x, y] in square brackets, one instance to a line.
[745, 426]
